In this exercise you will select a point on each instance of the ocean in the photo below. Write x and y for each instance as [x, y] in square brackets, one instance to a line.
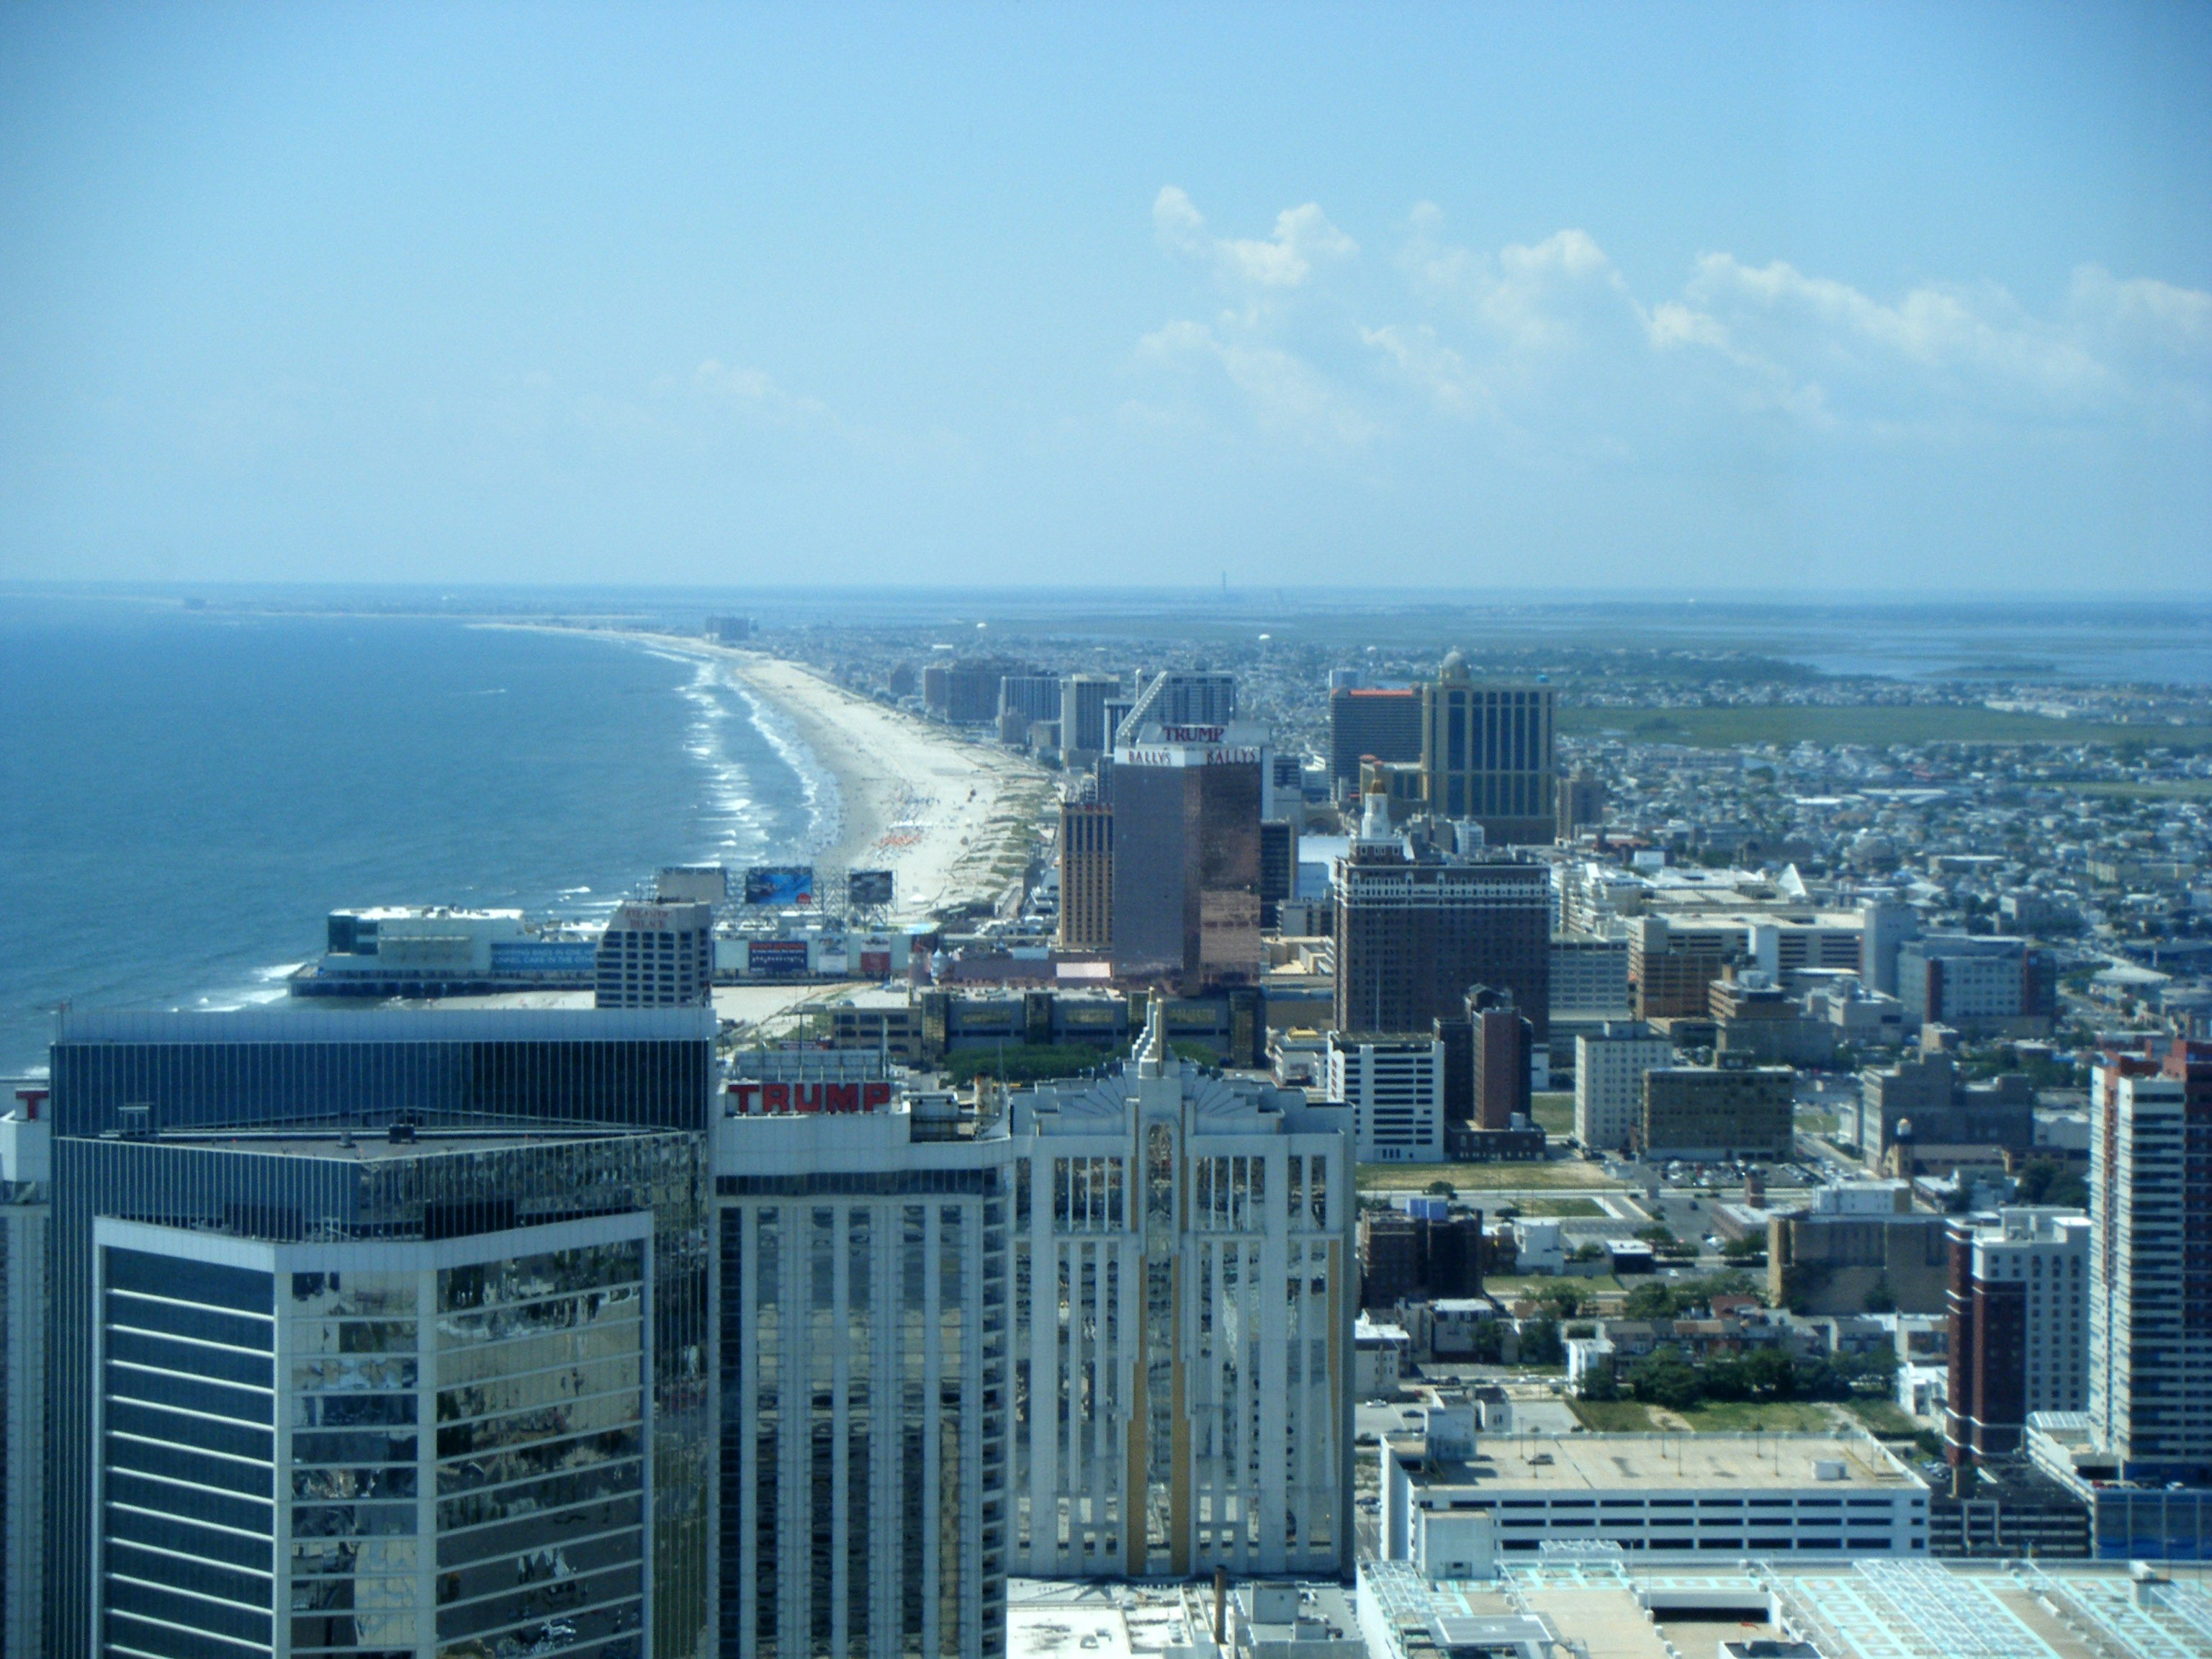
[185, 795]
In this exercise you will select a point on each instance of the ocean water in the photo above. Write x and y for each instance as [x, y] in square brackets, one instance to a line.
[184, 794]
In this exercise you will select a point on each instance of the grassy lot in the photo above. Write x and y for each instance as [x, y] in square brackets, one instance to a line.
[1613, 1416]
[1563, 1208]
[1468, 1178]
[1725, 728]
[1554, 1111]
[1742, 1416]
[1885, 1418]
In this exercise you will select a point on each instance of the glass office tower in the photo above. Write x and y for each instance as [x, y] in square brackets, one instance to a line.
[380, 1332]
[865, 1387]
[26, 1225]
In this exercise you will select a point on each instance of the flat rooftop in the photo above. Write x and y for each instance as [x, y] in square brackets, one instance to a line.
[1540, 1465]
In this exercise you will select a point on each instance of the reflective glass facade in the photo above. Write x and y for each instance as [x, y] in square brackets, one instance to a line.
[865, 1388]
[644, 1069]
[1185, 876]
[462, 1410]
[25, 1228]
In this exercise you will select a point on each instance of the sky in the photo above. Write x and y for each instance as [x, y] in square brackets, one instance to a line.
[1830, 299]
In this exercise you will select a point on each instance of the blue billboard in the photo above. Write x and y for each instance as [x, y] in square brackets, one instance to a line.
[572, 958]
[780, 884]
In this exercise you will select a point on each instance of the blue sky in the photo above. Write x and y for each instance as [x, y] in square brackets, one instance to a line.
[1868, 298]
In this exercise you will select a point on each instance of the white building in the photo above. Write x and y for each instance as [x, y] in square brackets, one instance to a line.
[2150, 1379]
[1394, 1086]
[656, 956]
[1384, 1353]
[1459, 1509]
[1185, 1274]
[1609, 1070]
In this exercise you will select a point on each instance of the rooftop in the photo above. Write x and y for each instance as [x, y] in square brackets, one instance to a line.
[1664, 1462]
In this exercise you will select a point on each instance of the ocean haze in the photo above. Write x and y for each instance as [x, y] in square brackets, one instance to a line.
[187, 794]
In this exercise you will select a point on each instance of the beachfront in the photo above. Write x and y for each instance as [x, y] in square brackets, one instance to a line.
[953, 821]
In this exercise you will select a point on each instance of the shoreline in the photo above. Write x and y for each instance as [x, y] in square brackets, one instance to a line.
[953, 821]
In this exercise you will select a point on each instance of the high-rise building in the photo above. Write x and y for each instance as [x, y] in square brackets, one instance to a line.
[1414, 933]
[2150, 1276]
[1381, 726]
[1187, 859]
[1978, 983]
[1487, 754]
[656, 956]
[1582, 804]
[1717, 1112]
[864, 1365]
[1279, 867]
[1590, 978]
[1884, 927]
[1394, 1087]
[1180, 698]
[1501, 1056]
[1032, 696]
[1086, 876]
[368, 1328]
[966, 692]
[25, 1228]
[1082, 698]
[2020, 1324]
[1184, 1284]
[1609, 1068]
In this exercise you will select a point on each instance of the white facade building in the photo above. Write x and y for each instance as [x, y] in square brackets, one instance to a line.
[1395, 1089]
[2150, 1377]
[1185, 1279]
[1609, 1070]
[1590, 977]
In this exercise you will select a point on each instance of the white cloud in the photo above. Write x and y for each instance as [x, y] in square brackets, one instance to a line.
[1284, 394]
[1304, 237]
[1547, 346]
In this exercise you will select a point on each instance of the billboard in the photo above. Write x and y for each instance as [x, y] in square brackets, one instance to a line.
[575, 958]
[776, 956]
[867, 887]
[780, 884]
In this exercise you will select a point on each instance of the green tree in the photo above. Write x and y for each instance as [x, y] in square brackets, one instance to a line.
[1882, 1298]
[1565, 1300]
[1653, 1301]
[1665, 1378]
[1749, 1247]
[1540, 1343]
[1443, 1190]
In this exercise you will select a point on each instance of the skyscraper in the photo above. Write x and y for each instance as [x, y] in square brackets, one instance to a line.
[26, 1228]
[1181, 698]
[2019, 1322]
[2150, 1277]
[1186, 828]
[1082, 699]
[1383, 725]
[367, 1329]
[1184, 1286]
[865, 1390]
[1086, 876]
[1487, 754]
[656, 956]
[1501, 1059]
[1415, 934]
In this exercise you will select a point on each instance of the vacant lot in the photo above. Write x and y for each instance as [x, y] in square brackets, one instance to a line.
[1554, 1112]
[1613, 1416]
[1725, 728]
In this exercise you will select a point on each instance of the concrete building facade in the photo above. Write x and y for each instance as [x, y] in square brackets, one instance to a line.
[1718, 1112]
[1609, 1069]
[2020, 1324]
[1394, 1087]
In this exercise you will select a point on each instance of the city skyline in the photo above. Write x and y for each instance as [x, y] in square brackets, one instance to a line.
[1814, 300]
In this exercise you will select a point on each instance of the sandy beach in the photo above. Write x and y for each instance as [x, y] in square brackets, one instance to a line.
[953, 821]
